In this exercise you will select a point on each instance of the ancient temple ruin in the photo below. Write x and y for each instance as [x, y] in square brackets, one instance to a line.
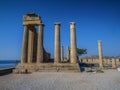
[35, 58]
[33, 49]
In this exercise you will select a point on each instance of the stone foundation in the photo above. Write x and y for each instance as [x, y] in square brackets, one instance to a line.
[43, 67]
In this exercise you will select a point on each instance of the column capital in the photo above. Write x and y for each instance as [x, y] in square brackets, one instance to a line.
[99, 41]
[41, 24]
[57, 23]
[72, 23]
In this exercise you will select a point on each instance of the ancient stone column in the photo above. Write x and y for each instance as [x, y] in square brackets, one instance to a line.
[40, 51]
[100, 54]
[35, 47]
[57, 43]
[24, 45]
[73, 53]
[68, 53]
[114, 63]
[62, 53]
[31, 43]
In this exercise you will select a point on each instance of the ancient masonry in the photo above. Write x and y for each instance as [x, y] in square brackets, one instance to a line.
[35, 58]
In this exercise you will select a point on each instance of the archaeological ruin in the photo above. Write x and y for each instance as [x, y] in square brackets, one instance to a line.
[35, 58]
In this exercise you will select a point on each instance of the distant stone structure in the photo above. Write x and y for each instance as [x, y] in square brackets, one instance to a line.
[113, 62]
[35, 58]
[108, 62]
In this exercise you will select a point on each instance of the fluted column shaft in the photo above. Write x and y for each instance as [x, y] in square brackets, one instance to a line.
[68, 53]
[35, 47]
[24, 46]
[31, 43]
[40, 51]
[73, 52]
[57, 43]
[100, 54]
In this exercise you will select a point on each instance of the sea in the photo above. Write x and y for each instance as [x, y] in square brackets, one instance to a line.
[8, 63]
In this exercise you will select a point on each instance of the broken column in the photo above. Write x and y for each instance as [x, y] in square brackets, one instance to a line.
[73, 52]
[68, 54]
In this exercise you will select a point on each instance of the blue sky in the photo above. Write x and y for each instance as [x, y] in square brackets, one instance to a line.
[95, 20]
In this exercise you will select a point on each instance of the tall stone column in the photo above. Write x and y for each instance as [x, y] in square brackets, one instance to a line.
[57, 43]
[73, 52]
[31, 43]
[35, 47]
[62, 53]
[40, 51]
[100, 54]
[24, 45]
[114, 63]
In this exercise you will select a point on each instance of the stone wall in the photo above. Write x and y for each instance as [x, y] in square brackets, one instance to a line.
[5, 71]
[96, 60]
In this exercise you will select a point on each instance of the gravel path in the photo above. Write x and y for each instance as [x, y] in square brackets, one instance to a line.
[109, 80]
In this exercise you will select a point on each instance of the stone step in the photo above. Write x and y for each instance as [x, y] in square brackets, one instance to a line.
[58, 71]
[57, 68]
[50, 67]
